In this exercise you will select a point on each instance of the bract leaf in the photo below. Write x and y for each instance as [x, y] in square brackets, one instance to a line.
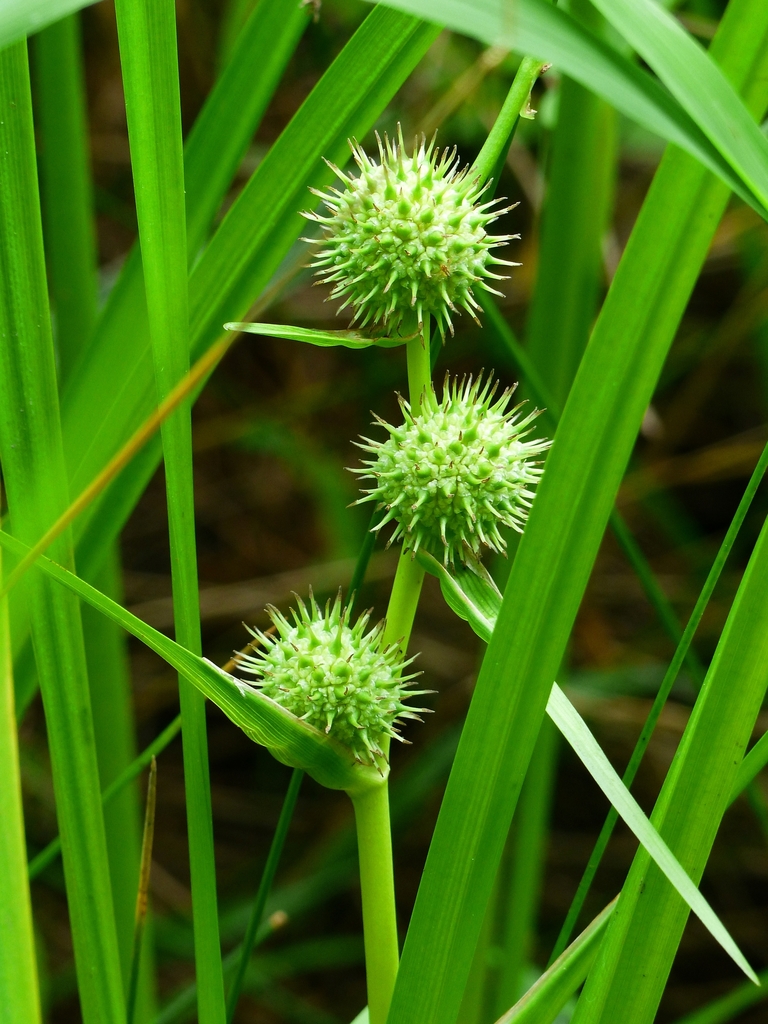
[288, 739]
[324, 339]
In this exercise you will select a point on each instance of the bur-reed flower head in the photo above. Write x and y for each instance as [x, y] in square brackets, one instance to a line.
[408, 237]
[452, 475]
[334, 676]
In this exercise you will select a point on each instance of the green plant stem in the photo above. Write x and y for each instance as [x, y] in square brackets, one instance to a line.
[372, 807]
[419, 369]
[265, 885]
[377, 884]
[491, 157]
[403, 601]
[409, 576]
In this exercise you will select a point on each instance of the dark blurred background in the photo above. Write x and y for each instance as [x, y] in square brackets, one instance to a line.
[273, 433]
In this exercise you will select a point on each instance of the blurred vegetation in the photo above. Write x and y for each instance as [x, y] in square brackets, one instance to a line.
[272, 437]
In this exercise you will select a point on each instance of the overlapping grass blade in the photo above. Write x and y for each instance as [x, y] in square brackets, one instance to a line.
[40, 861]
[698, 84]
[69, 235]
[18, 971]
[35, 480]
[232, 112]
[572, 726]
[592, 445]
[635, 958]
[540, 29]
[745, 773]
[544, 1000]
[477, 602]
[147, 36]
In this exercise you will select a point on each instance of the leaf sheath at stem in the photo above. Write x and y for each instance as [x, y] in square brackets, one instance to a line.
[374, 840]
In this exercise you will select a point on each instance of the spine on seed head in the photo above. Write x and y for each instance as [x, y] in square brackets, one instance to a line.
[335, 676]
[408, 236]
[452, 476]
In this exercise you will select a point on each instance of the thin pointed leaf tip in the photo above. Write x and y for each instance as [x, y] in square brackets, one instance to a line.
[452, 476]
[408, 236]
[334, 676]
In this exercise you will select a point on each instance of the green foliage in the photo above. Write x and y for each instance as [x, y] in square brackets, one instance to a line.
[405, 245]
[36, 486]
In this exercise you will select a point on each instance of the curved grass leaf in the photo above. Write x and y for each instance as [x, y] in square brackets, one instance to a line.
[636, 956]
[290, 740]
[19, 18]
[698, 84]
[588, 750]
[543, 30]
[572, 726]
[323, 339]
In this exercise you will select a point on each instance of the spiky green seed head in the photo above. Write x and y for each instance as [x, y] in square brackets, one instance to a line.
[334, 676]
[451, 476]
[408, 237]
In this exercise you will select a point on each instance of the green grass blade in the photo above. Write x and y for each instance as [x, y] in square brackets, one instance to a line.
[19, 995]
[520, 902]
[221, 134]
[746, 772]
[459, 593]
[110, 688]
[696, 81]
[69, 235]
[574, 219]
[572, 726]
[68, 225]
[19, 18]
[35, 479]
[612, 389]
[147, 36]
[549, 33]
[544, 1000]
[753, 763]
[636, 956]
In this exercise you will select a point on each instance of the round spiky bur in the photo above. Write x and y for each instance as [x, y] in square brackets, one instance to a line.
[336, 677]
[453, 475]
[408, 235]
